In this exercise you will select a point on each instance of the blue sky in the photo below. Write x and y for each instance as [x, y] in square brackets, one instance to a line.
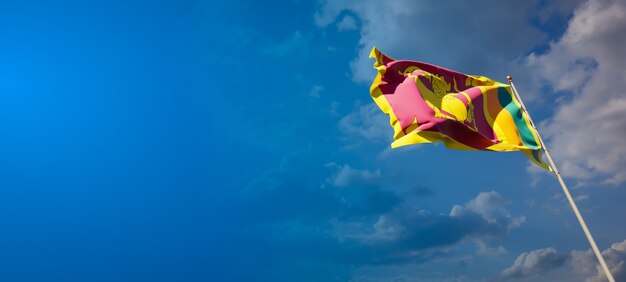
[236, 141]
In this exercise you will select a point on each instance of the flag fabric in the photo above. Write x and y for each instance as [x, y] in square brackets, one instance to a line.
[427, 103]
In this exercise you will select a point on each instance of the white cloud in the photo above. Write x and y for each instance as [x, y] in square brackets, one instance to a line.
[577, 265]
[586, 134]
[316, 90]
[408, 230]
[581, 198]
[486, 202]
[556, 10]
[368, 122]
[534, 263]
[346, 175]
[439, 33]
[490, 205]
[347, 23]
[615, 256]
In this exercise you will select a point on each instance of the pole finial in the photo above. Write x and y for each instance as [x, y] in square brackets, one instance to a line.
[509, 78]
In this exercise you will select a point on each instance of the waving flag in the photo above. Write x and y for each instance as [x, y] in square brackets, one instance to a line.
[427, 103]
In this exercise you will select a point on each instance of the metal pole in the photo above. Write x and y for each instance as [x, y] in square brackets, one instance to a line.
[565, 190]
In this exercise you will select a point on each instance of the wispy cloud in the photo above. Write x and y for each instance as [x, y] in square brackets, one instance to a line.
[347, 175]
[586, 134]
[420, 30]
[316, 90]
[366, 123]
[346, 23]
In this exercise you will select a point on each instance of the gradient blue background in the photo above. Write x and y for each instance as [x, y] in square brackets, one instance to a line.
[199, 141]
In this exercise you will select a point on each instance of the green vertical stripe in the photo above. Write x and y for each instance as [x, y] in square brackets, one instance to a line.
[506, 101]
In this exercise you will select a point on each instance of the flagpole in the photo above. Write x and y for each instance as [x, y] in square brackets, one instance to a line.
[565, 190]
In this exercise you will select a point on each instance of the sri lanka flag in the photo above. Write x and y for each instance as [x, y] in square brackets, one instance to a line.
[427, 103]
